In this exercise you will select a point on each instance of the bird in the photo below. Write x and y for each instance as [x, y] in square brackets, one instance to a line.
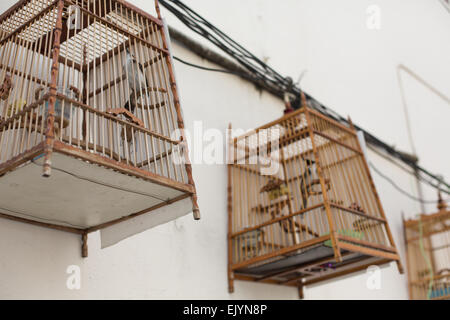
[279, 195]
[137, 81]
[6, 87]
[138, 85]
[307, 180]
[130, 105]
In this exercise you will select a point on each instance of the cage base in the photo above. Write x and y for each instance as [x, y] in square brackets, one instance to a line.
[312, 265]
[80, 196]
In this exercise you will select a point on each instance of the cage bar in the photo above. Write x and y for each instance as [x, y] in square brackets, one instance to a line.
[427, 241]
[90, 81]
[302, 205]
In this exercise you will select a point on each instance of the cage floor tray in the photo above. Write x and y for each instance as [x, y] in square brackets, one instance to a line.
[310, 264]
[304, 258]
[78, 194]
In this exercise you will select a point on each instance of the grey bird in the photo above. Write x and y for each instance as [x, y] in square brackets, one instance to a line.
[137, 81]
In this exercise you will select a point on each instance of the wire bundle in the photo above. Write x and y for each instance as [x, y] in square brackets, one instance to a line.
[262, 72]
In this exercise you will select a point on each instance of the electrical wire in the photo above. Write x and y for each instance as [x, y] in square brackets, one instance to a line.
[385, 177]
[389, 159]
[404, 168]
[204, 28]
[262, 72]
[406, 111]
[419, 79]
[446, 4]
[379, 172]
[239, 74]
[208, 69]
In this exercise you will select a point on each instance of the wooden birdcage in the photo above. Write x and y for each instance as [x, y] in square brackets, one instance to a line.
[428, 255]
[301, 190]
[88, 97]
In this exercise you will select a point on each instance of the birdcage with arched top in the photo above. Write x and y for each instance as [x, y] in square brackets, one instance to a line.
[88, 97]
[302, 204]
[428, 254]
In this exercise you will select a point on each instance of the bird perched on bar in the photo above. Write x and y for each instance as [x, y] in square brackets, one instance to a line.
[307, 180]
[131, 103]
[310, 183]
[6, 87]
[137, 81]
[138, 85]
[279, 196]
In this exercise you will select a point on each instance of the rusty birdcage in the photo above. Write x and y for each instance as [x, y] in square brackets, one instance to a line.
[428, 254]
[302, 204]
[88, 97]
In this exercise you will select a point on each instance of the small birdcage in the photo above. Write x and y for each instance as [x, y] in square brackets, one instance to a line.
[428, 254]
[303, 185]
[88, 97]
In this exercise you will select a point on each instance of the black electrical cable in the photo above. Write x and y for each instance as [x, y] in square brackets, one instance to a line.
[261, 71]
[374, 168]
[208, 69]
[207, 30]
[238, 74]
[392, 182]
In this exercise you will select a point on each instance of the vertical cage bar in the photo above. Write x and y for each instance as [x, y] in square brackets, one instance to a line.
[408, 263]
[230, 209]
[50, 129]
[180, 121]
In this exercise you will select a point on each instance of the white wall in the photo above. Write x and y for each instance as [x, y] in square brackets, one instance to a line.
[350, 68]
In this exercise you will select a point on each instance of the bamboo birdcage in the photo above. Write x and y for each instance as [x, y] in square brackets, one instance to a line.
[301, 190]
[67, 97]
[428, 255]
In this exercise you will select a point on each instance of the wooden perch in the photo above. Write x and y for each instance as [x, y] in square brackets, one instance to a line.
[127, 114]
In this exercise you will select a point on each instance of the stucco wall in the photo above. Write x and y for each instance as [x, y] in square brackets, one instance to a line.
[350, 68]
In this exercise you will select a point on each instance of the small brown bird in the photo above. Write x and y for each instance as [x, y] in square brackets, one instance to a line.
[6, 87]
